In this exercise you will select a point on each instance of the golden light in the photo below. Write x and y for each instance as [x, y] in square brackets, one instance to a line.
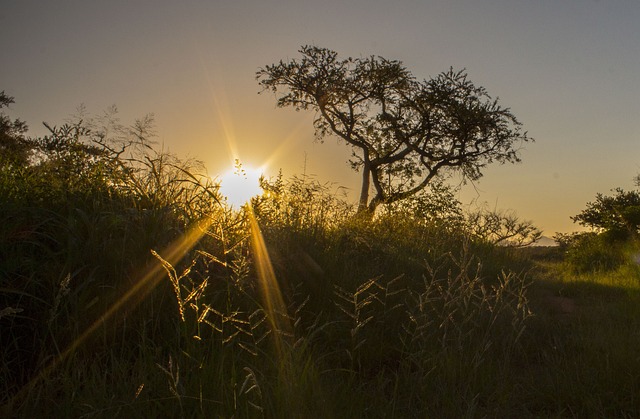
[147, 281]
[269, 288]
[240, 184]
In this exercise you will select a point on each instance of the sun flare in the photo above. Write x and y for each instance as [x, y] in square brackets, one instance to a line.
[240, 183]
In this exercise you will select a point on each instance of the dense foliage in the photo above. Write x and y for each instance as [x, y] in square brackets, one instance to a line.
[613, 241]
[618, 215]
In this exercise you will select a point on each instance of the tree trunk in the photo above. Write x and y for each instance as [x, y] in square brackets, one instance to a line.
[364, 191]
[373, 205]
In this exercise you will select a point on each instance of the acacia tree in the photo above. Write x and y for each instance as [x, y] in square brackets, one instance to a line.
[619, 214]
[403, 132]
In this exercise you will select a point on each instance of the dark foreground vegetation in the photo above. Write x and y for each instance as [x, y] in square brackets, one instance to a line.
[128, 289]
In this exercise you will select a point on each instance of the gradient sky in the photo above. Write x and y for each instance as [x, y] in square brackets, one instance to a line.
[569, 70]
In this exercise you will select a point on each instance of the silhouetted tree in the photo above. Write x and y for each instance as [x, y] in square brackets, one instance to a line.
[503, 228]
[618, 215]
[403, 132]
[14, 147]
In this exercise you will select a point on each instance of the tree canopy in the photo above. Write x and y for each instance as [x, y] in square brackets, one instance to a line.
[14, 147]
[403, 132]
[618, 214]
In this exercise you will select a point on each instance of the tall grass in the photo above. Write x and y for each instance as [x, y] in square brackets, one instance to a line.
[139, 294]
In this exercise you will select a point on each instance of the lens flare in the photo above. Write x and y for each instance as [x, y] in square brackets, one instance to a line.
[269, 288]
[145, 284]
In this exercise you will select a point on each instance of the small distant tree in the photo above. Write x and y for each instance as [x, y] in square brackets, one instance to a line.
[14, 147]
[503, 228]
[618, 215]
[404, 133]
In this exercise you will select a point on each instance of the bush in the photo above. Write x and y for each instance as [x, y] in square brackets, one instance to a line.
[589, 252]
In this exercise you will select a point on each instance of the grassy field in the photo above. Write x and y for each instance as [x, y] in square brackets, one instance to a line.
[536, 344]
[581, 359]
[130, 290]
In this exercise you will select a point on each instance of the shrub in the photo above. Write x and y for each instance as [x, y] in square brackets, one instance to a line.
[590, 251]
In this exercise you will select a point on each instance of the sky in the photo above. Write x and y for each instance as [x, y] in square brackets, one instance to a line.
[569, 70]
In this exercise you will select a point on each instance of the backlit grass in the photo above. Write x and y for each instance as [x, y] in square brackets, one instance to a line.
[145, 296]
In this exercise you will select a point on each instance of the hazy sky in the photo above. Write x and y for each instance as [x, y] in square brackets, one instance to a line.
[568, 69]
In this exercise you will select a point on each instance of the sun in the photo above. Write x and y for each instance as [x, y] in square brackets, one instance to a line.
[240, 183]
